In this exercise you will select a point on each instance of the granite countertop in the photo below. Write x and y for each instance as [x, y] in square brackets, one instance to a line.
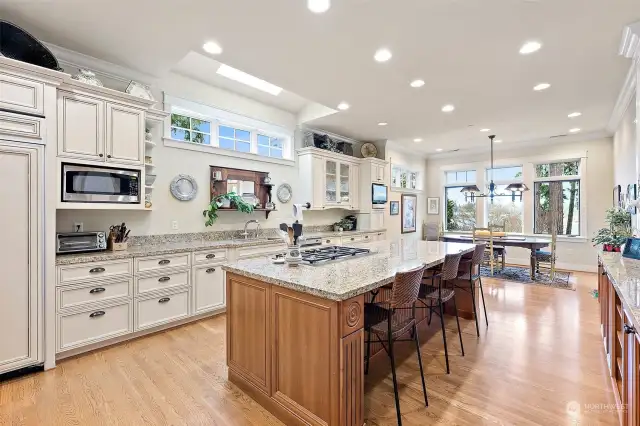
[625, 277]
[182, 247]
[348, 278]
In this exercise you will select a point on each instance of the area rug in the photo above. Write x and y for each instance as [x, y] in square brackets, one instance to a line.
[522, 275]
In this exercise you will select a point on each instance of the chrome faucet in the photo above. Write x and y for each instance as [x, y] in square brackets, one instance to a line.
[245, 233]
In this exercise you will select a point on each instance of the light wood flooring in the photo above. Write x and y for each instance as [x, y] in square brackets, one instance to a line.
[541, 352]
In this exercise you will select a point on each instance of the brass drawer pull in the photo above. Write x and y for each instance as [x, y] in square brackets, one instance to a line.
[164, 300]
[164, 262]
[97, 314]
[211, 270]
[96, 270]
[163, 279]
[97, 290]
[211, 255]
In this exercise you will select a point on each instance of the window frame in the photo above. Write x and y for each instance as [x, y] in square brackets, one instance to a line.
[487, 180]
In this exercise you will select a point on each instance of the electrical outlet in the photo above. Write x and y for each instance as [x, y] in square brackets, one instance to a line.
[174, 225]
[78, 227]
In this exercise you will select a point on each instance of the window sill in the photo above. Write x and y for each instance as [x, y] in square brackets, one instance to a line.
[406, 190]
[561, 238]
[190, 146]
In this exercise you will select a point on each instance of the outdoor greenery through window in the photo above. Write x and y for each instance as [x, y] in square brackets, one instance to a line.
[460, 212]
[557, 192]
[505, 211]
[190, 129]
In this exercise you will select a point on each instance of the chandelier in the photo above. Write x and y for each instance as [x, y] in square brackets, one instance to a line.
[472, 191]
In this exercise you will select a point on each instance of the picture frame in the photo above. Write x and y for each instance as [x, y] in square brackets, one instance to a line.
[409, 213]
[617, 196]
[632, 195]
[394, 208]
[433, 205]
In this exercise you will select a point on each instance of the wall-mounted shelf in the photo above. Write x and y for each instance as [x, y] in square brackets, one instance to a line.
[148, 187]
[149, 144]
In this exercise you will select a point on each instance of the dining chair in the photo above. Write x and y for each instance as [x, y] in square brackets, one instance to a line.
[469, 270]
[432, 231]
[486, 234]
[388, 321]
[501, 230]
[546, 259]
[438, 295]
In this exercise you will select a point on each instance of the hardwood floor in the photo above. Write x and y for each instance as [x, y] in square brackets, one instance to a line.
[541, 353]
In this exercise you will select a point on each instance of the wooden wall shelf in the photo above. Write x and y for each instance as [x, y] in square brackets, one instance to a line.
[262, 190]
[267, 211]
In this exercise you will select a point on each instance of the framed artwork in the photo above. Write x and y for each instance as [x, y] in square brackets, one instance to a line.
[394, 207]
[631, 197]
[409, 213]
[617, 196]
[433, 205]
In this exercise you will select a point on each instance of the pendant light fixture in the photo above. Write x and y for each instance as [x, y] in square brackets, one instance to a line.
[472, 191]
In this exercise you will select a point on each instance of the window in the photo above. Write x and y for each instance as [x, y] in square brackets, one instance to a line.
[270, 147]
[505, 210]
[461, 212]
[190, 129]
[557, 194]
[234, 139]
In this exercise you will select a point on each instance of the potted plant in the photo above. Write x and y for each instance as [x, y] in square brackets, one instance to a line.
[613, 237]
[211, 213]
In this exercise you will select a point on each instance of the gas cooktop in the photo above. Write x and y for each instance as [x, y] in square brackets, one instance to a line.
[331, 253]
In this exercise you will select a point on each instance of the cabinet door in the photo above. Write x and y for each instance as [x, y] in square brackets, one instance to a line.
[19, 257]
[318, 182]
[355, 187]
[377, 219]
[80, 127]
[209, 288]
[345, 184]
[21, 94]
[125, 134]
[331, 170]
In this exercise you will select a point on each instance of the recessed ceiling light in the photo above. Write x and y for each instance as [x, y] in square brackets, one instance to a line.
[417, 83]
[318, 6]
[448, 108]
[439, 149]
[574, 114]
[635, 121]
[382, 123]
[248, 79]
[417, 140]
[574, 130]
[212, 47]
[530, 47]
[485, 130]
[342, 106]
[541, 86]
[498, 141]
[382, 55]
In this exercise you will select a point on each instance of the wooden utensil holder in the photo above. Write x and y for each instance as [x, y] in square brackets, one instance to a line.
[111, 245]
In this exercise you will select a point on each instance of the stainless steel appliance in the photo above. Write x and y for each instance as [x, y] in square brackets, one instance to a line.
[76, 242]
[90, 184]
[331, 253]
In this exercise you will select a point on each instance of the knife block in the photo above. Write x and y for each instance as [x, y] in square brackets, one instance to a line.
[111, 245]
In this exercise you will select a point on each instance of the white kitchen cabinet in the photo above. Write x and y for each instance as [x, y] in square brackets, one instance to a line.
[329, 180]
[209, 288]
[80, 126]
[21, 94]
[372, 171]
[20, 256]
[377, 172]
[91, 128]
[125, 133]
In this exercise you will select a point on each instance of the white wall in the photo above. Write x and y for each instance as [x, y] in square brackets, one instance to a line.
[576, 254]
[625, 152]
[171, 162]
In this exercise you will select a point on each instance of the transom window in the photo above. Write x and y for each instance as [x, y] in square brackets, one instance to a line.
[465, 176]
[234, 139]
[557, 193]
[190, 129]
[269, 146]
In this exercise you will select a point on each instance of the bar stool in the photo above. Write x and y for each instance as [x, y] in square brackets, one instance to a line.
[441, 294]
[466, 271]
[383, 320]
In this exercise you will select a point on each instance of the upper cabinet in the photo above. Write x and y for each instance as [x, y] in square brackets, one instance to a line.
[95, 126]
[329, 180]
[377, 172]
[21, 94]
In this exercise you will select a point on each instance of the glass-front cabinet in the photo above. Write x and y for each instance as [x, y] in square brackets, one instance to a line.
[338, 185]
[331, 181]
[345, 192]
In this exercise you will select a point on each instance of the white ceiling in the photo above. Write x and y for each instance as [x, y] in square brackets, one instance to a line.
[465, 50]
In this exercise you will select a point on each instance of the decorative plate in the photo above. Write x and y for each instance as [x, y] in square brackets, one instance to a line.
[16, 43]
[140, 90]
[368, 150]
[184, 187]
[284, 193]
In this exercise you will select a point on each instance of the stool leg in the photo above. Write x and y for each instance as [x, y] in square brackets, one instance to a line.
[395, 380]
[430, 311]
[486, 318]
[424, 386]
[366, 365]
[444, 335]
[473, 300]
[455, 307]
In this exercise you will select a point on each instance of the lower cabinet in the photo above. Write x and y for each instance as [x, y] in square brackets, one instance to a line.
[157, 310]
[209, 288]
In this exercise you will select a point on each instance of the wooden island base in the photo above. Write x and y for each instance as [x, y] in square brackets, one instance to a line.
[299, 356]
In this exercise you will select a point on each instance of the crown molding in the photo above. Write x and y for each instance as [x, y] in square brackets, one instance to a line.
[629, 48]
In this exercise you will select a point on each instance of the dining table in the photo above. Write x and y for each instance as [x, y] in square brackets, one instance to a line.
[523, 241]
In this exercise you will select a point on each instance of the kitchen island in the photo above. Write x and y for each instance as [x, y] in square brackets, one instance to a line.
[295, 335]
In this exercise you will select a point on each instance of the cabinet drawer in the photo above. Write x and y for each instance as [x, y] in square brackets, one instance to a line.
[380, 236]
[332, 241]
[162, 309]
[20, 125]
[19, 94]
[352, 239]
[90, 326]
[154, 263]
[209, 256]
[248, 252]
[76, 296]
[72, 274]
[162, 282]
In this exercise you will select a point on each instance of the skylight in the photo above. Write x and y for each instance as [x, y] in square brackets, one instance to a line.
[248, 79]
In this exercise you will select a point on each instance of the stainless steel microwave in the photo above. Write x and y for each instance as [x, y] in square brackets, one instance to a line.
[90, 184]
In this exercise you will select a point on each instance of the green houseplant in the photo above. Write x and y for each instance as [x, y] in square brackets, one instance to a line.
[616, 234]
[211, 213]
